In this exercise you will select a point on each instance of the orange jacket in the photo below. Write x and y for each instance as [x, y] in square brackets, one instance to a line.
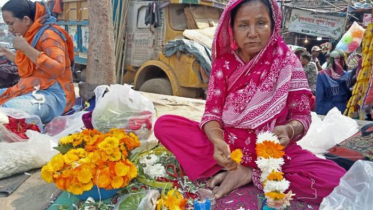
[53, 64]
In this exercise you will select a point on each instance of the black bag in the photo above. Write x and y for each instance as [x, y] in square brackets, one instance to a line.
[357, 147]
[8, 75]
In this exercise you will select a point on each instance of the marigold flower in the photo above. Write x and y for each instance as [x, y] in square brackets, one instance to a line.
[87, 186]
[116, 155]
[60, 183]
[275, 176]
[269, 149]
[117, 182]
[173, 201]
[93, 158]
[133, 169]
[57, 162]
[77, 141]
[46, 173]
[121, 169]
[103, 180]
[66, 140]
[275, 195]
[76, 189]
[237, 155]
[85, 175]
[70, 157]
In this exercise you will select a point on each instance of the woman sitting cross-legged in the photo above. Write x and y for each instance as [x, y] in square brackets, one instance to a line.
[257, 84]
[44, 58]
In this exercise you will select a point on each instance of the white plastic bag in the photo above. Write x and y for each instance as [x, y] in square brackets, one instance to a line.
[122, 107]
[324, 134]
[9, 136]
[355, 190]
[65, 125]
[19, 157]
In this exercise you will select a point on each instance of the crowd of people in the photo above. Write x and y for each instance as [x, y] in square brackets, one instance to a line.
[331, 82]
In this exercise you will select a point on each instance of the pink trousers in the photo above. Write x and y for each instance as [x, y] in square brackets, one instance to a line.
[311, 178]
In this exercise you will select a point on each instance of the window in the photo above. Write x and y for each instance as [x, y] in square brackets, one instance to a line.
[177, 17]
[141, 18]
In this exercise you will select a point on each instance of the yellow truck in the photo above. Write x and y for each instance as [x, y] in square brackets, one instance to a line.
[146, 65]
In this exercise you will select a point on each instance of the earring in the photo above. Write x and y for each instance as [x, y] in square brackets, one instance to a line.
[233, 42]
[234, 45]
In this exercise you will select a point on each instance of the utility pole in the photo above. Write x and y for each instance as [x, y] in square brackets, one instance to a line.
[101, 56]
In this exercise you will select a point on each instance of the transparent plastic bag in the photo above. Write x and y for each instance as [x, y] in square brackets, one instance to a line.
[143, 200]
[20, 157]
[355, 190]
[352, 39]
[65, 125]
[122, 107]
[7, 135]
[324, 134]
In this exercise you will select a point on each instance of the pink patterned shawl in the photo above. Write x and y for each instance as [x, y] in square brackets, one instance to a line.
[273, 68]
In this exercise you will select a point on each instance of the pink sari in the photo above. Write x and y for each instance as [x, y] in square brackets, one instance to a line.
[246, 98]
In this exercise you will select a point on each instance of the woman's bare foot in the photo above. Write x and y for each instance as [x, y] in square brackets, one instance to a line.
[217, 179]
[231, 180]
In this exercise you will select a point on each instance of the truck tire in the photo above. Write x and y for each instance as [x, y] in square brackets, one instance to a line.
[157, 85]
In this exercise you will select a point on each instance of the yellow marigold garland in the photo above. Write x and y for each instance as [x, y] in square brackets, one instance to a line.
[92, 158]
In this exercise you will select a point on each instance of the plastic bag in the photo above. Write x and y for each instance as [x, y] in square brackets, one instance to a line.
[324, 134]
[352, 39]
[355, 190]
[65, 125]
[144, 200]
[9, 136]
[122, 107]
[19, 157]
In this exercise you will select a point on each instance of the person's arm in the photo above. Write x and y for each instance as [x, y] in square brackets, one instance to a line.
[312, 79]
[8, 54]
[299, 110]
[211, 122]
[319, 67]
[51, 58]
[213, 131]
[31, 53]
[216, 95]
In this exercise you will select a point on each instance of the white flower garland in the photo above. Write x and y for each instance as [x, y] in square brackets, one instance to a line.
[272, 167]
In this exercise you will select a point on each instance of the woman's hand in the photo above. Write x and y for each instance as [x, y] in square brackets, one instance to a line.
[20, 43]
[222, 155]
[284, 133]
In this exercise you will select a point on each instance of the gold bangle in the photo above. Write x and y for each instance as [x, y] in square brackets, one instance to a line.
[212, 129]
[292, 128]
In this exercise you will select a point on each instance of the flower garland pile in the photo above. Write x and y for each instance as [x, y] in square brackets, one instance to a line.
[173, 200]
[270, 159]
[92, 158]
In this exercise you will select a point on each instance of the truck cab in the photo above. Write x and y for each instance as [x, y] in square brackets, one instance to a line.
[145, 65]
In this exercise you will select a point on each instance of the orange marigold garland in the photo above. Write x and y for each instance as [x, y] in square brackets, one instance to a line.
[270, 160]
[92, 158]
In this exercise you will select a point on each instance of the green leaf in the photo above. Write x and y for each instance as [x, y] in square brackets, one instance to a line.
[63, 148]
[132, 201]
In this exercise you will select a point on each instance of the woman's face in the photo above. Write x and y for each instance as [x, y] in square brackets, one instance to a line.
[16, 26]
[252, 28]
